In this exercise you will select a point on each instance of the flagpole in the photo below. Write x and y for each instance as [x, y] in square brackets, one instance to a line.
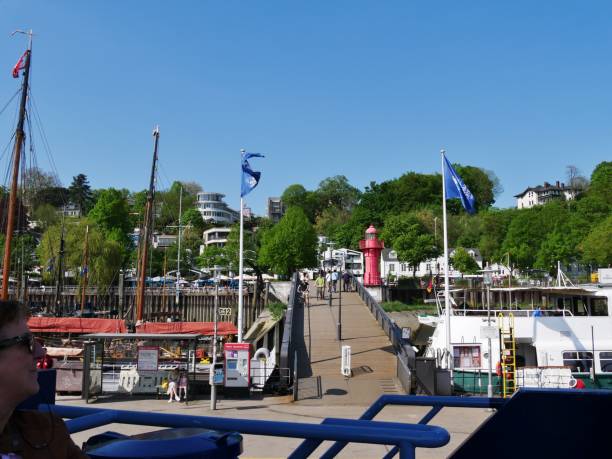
[241, 263]
[446, 286]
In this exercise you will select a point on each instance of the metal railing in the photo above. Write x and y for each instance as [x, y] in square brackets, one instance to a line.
[404, 437]
[287, 350]
[405, 354]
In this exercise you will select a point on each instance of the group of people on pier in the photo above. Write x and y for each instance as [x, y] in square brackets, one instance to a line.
[326, 281]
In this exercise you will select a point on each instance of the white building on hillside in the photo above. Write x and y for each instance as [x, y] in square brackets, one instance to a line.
[541, 194]
[213, 208]
[391, 266]
[216, 236]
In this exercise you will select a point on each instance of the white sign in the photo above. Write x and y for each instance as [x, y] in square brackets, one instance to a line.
[225, 311]
[148, 358]
[406, 332]
[605, 276]
[489, 331]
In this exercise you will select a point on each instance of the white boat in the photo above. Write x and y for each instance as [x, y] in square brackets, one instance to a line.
[541, 336]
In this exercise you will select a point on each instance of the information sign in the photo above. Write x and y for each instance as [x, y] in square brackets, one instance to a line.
[148, 358]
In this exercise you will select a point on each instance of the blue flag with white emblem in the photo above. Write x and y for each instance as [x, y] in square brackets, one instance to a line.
[250, 178]
[455, 188]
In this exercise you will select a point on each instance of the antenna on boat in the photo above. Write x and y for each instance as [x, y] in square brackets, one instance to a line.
[29, 33]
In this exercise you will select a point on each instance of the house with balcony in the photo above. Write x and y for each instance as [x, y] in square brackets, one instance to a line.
[163, 241]
[541, 194]
[216, 236]
[213, 208]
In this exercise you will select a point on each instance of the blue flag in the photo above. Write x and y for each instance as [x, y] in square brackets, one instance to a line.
[455, 188]
[250, 178]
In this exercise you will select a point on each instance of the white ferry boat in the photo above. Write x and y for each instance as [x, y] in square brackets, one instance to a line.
[543, 336]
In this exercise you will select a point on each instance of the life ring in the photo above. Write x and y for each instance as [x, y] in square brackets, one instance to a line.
[572, 382]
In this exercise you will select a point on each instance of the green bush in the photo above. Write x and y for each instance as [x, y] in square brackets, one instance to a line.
[277, 309]
[398, 306]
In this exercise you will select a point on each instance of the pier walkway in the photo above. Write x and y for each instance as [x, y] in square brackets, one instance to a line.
[373, 361]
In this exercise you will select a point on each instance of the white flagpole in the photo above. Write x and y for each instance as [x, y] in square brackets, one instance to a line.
[240, 296]
[446, 286]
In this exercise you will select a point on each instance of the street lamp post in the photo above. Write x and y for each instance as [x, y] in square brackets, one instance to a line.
[211, 373]
[487, 278]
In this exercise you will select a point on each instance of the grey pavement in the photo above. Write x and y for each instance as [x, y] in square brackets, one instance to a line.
[373, 374]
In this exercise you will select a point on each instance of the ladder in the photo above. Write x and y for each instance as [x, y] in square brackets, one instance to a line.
[507, 355]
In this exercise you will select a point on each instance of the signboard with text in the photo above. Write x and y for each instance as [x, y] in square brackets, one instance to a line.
[148, 358]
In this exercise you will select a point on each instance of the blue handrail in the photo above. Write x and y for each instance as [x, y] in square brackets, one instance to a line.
[405, 437]
[436, 403]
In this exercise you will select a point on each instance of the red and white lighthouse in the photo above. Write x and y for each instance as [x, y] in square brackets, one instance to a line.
[371, 248]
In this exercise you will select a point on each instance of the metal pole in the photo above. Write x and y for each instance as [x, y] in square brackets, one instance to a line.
[213, 387]
[178, 257]
[241, 266]
[340, 301]
[490, 371]
[446, 280]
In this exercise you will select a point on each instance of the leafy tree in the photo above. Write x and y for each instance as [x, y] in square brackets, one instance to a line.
[557, 246]
[80, 193]
[330, 221]
[464, 262]
[409, 238]
[290, 245]
[111, 214]
[192, 217]
[597, 246]
[601, 183]
[297, 196]
[105, 255]
[338, 193]
[212, 256]
[170, 203]
[46, 215]
[483, 184]
[575, 180]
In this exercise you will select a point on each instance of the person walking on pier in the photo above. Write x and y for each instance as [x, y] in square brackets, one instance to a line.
[320, 283]
[334, 278]
[346, 280]
[328, 281]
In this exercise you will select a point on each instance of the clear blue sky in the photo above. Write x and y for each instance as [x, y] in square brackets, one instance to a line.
[368, 90]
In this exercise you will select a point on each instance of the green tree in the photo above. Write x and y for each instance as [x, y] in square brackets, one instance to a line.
[597, 246]
[297, 196]
[409, 238]
[111, 214]
[338, 193]
[192, 217]
[106, 256]
[464, 262]
[80, 193]
[290, 245]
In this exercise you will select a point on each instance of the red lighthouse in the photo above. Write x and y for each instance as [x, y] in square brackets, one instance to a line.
[371, 247]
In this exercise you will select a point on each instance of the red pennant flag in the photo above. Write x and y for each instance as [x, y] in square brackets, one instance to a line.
[19, 66]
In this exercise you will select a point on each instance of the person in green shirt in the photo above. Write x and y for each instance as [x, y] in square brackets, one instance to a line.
[320, 283]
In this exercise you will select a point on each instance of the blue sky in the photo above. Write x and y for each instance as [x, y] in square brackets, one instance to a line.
[368, 90]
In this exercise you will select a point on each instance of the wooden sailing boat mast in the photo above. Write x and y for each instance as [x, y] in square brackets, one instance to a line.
[85, 269]
[19, 141]
[145, 234]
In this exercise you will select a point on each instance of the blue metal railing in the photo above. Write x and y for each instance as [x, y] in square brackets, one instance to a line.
[405, 437]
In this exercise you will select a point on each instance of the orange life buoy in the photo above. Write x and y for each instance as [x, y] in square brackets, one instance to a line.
[498, 369]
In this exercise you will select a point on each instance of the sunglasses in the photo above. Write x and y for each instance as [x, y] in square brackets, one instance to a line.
[27, 340]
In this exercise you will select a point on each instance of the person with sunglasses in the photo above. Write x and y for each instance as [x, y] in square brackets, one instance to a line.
[25, 434]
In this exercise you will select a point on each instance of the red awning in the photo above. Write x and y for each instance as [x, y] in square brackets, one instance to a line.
[202, 328]
[75, 325]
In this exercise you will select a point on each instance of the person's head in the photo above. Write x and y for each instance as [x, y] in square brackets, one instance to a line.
[19, 352]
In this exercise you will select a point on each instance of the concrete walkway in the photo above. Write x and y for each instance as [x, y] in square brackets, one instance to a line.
[373, 362]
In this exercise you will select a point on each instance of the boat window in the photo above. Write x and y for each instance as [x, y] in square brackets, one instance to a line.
[579, 362]
[605, 361]
[466, 356]
[599, 306]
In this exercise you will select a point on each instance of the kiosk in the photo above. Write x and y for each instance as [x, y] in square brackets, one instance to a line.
[237, 364]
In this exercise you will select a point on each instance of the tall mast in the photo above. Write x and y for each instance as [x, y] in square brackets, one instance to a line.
[146, 233]
[60, 272]
[178, 258]
[85, 269]
[19, 140]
